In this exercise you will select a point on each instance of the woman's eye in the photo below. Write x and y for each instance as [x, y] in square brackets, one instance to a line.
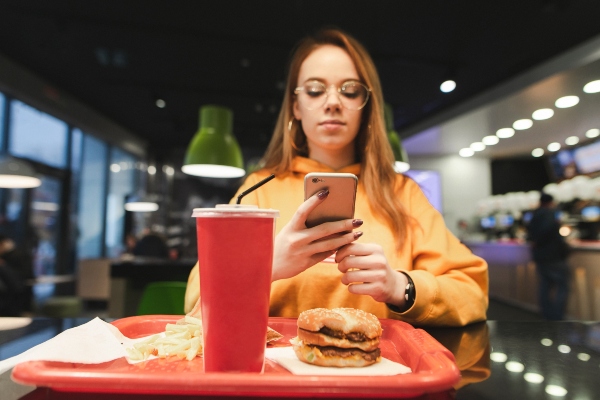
[314, 91]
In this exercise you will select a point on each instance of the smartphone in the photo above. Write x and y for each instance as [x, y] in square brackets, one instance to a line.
[340, 202]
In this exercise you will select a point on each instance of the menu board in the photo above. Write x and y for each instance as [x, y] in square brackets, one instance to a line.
[587, 158]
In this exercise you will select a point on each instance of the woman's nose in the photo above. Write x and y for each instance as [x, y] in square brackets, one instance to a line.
[333, 98]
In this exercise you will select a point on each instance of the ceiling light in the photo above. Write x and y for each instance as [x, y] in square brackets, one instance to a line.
[448, 86]
[523, 124]
[567, 101]
[214, 152]
[546, 342]
[160, 103]
[466, 152]
[537, 152]
[115, 168]
[141, 203]
[151, 169]
[401, 163]
[17, 174]
[592, 133]
[572, 140]
[542, 113]
[555, 146]
[504, 133]
[592, 87]
[490, 140]
[477, 146]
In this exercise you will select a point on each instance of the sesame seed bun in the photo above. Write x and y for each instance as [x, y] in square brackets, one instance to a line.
[345, 320]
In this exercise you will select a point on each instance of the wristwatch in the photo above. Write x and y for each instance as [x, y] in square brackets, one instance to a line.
[410, 294]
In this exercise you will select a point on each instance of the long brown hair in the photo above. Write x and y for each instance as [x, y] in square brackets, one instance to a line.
[372, 146]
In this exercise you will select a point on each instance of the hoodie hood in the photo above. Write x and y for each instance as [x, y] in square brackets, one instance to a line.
[305, 165]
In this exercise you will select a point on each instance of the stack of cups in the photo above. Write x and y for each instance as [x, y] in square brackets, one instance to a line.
[235, 253]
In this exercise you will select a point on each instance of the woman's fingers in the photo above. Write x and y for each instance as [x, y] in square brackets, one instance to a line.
[299, 218]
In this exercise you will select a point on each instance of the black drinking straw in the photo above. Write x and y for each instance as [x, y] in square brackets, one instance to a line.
[259, 184]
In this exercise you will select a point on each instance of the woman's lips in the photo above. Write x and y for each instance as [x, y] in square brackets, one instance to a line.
[331, 124]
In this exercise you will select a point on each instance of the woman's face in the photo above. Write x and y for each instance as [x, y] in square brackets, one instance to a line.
[330, 128]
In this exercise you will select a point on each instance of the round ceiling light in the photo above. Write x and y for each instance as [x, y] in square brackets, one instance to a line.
[490, 140]
[477, 146]
[554, 146]
[537, 152]
[567, 101]
[466, 152]
[504, 133]
[542, 113]
[572, 140]
[592, 133]
[523, 124]
[592, 87]
[448, 86]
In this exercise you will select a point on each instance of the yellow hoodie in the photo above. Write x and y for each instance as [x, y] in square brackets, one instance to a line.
[451, 283]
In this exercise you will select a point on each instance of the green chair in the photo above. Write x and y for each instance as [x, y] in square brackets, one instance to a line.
[162, 298]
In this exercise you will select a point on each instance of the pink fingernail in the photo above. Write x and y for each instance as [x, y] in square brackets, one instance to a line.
[357, 222]
[357, 234]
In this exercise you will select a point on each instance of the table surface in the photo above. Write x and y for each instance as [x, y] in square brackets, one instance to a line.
[497, 359]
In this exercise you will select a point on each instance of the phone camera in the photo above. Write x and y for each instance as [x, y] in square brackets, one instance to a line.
[315, 180]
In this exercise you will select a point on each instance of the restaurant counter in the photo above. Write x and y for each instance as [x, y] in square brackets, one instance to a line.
[497, 360]
[513, 277]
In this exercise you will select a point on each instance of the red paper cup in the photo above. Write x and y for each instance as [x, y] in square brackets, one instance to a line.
[235, 253]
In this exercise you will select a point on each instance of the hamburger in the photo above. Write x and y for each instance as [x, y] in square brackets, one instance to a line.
[339, 337]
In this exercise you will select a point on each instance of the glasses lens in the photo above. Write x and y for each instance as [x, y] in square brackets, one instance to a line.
[354, 95]
[313, 95]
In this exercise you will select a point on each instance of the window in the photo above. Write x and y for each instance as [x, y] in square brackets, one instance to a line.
[122, 182]
[37, 135]
[92, 194]
[2, 102]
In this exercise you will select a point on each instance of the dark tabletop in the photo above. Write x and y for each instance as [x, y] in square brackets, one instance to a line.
[497, 359]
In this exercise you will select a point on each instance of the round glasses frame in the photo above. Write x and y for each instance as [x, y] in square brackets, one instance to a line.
[340, 93]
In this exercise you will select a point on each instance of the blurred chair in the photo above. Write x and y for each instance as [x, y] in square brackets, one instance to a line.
[61, 307]
[162, 298]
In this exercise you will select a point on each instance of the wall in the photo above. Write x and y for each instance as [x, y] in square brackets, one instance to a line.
[464, 182]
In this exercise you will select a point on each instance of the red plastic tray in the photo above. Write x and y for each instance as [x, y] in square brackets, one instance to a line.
[433, 366]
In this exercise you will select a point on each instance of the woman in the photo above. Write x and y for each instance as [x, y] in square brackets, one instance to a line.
[403, 263]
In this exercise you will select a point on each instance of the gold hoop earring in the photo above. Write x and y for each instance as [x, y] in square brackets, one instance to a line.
[290, 124]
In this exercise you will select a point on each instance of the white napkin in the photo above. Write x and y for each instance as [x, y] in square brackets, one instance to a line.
[94, 342]
[286, 357]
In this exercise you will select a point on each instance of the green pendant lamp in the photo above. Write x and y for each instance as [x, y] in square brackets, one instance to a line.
[401, 163]
[17, 174]
[214, 152]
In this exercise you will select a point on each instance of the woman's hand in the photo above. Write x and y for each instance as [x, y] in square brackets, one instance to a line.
[298, 248]
[366, 271]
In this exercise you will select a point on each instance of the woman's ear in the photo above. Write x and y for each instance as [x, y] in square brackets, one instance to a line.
[296, 111]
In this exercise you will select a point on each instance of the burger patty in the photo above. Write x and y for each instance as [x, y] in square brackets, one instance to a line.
[352, 336]
[330, 351]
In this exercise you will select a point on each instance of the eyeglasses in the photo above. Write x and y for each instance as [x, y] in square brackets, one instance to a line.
[352, 95]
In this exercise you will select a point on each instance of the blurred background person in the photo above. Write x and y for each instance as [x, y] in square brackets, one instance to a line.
[549, 251]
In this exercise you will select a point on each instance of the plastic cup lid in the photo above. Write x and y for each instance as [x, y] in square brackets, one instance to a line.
[235, 210]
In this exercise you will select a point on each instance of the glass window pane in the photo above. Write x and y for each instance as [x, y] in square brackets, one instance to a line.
[92, 194]
[2, 102]
[121, 183]
[37, 135]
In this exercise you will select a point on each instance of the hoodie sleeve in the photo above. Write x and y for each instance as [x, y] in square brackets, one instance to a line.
[451, 282]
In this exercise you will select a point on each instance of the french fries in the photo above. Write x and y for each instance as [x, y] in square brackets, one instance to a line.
[182, 340]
